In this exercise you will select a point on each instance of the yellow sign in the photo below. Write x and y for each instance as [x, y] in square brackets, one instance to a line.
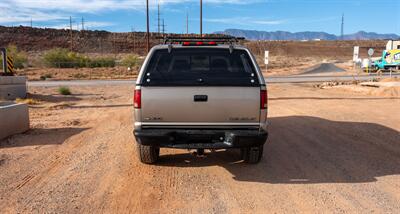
[10, 64]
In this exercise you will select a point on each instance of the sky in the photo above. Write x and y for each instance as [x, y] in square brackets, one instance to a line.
[381, 16]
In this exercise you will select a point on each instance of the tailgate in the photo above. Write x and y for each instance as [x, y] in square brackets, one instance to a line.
[200, 106]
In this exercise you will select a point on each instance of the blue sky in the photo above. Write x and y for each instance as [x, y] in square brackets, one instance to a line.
[380, 16]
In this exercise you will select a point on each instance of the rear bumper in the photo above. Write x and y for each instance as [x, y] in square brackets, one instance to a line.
[201, 139]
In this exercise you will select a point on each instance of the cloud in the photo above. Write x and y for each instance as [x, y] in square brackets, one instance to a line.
[77, 26]
[22, 11]
[90, 6]
[10, 14]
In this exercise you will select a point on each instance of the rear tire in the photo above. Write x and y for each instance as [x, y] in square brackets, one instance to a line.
[252, 155]
[148, 154]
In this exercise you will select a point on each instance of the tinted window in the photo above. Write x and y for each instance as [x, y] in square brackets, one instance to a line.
[200, 66]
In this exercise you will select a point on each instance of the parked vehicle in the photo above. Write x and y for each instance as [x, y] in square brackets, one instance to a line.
[206, 93]
[390, 60]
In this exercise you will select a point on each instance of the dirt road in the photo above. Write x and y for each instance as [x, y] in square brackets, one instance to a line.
[328, 151]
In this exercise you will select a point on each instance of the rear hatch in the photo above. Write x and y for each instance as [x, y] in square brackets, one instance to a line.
[200, 87]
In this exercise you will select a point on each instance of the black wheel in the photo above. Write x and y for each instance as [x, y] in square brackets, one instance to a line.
[252, 155]
[148, 154]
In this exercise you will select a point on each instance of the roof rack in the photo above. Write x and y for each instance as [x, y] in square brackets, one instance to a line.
[216, 39]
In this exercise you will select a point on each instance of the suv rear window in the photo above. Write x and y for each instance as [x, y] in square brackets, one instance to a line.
[200, 66]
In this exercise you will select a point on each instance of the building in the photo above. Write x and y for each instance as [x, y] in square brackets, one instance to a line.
[392, 45]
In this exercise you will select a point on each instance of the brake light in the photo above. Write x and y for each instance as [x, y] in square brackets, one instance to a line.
[263, 99]
[137, 99]
[198, 43]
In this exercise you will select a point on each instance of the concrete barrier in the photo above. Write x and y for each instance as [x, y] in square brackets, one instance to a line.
[14, 119]
[12, 87]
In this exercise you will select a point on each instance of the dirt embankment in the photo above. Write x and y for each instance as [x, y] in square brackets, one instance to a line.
[328, 151]
[286, 57]
[339, 50]
[38, 40]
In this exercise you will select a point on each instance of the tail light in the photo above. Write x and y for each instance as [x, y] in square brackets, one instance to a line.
[263, 99]
[137, 99]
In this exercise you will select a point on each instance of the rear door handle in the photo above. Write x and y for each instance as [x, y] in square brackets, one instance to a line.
[200, 98]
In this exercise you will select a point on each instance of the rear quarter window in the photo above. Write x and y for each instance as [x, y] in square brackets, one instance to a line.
[200, 67]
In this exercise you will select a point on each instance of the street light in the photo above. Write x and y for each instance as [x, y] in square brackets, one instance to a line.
[148, 27]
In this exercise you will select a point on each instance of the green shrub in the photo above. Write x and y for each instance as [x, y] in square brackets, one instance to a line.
[64, 91]
[62, 58]
[102, 62]
[131, 61]
[19, 57]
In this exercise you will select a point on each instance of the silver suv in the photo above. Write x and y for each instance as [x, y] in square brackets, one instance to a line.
[206, 93]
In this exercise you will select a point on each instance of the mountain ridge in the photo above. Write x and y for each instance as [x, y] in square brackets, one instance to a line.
[305, 35]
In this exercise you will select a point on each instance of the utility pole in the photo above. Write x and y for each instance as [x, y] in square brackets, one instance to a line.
[83, 24]
[70, 29]
[201, 18]
[31, 23]
[342, 28]
[148, 26]
[158, 18]
[187, 22]
[114, 44]
[163, 28]
[133, 35]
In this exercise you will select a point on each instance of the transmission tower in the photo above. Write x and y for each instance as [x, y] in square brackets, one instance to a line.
[83, 23]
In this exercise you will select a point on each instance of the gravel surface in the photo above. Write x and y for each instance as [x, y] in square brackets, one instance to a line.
[329, 151]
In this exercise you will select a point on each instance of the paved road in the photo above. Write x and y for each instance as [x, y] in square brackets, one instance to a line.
[305, 78]
[285, 79]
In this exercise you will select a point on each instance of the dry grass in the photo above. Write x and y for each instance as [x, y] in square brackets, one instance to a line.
[28, 101]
